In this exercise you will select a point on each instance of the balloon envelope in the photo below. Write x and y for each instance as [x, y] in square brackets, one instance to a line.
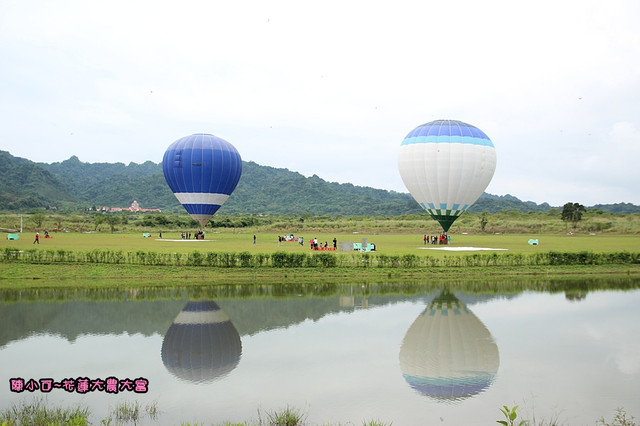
[202, 170]
[446, 165]
[448, 354]
[202, 343]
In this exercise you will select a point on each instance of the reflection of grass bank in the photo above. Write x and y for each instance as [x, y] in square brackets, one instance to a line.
[25, 275]
[61, 281]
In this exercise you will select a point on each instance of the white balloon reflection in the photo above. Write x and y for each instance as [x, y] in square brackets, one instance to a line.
[448, 354]
[202, 344]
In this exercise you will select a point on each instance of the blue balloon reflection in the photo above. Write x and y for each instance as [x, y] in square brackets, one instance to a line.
[202, 344]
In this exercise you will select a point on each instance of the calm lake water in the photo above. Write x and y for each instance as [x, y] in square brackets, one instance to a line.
[346, 355]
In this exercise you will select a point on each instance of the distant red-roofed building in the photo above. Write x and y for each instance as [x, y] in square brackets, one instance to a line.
[134, 207]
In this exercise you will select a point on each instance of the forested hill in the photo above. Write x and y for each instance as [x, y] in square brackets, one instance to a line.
[26, 184]
[72, 184]
[265, 189]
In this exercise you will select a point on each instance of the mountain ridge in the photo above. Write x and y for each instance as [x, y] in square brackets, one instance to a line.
[73, 184]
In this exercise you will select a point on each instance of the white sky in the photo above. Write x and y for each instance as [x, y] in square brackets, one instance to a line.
[332, 88]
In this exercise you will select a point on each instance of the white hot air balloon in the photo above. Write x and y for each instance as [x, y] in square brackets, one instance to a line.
[446, 165]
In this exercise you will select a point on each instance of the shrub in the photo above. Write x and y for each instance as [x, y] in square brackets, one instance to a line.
[327, 260]
[195, 258]
[245, 259]
[409, 261]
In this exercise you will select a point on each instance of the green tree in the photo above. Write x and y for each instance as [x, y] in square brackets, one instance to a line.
[58, 222]
[305, 216]
[98, 220]
[572, 212]
[484, 219]
[161, 219]
[112, 220]
[37, 219]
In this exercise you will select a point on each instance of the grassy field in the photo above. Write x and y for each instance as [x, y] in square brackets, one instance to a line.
[507, 233]
[386, 243]
[504, 222]
[47, 274]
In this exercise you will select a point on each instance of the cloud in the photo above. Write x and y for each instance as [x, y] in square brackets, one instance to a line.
[298, 85]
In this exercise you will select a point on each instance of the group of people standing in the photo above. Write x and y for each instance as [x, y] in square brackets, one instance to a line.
[290, 238]
[187, 235]
[319, 246]
[313, 243]
[437, 239]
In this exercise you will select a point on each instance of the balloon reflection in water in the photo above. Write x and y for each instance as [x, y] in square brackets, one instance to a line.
[448, 354]
[202, 344]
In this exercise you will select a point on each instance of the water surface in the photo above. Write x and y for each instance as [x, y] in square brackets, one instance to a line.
[351, 354]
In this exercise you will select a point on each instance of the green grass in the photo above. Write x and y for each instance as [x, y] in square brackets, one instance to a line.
[511, 222]
[621, 418]
[408, 249]
[131, 413]
[386, 243]
[286, 417]
[39, 413]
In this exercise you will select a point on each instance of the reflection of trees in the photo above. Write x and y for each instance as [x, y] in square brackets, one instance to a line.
[202, 344]
[71, 312]
[575, 296]
[576, 291]
[448, 354]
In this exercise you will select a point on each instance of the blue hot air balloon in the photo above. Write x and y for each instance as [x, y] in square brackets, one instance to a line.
[202, 170]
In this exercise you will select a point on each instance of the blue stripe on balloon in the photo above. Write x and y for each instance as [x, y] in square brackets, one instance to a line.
[450, 387]
[447, 127]
[410, 140]
[201, 208]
